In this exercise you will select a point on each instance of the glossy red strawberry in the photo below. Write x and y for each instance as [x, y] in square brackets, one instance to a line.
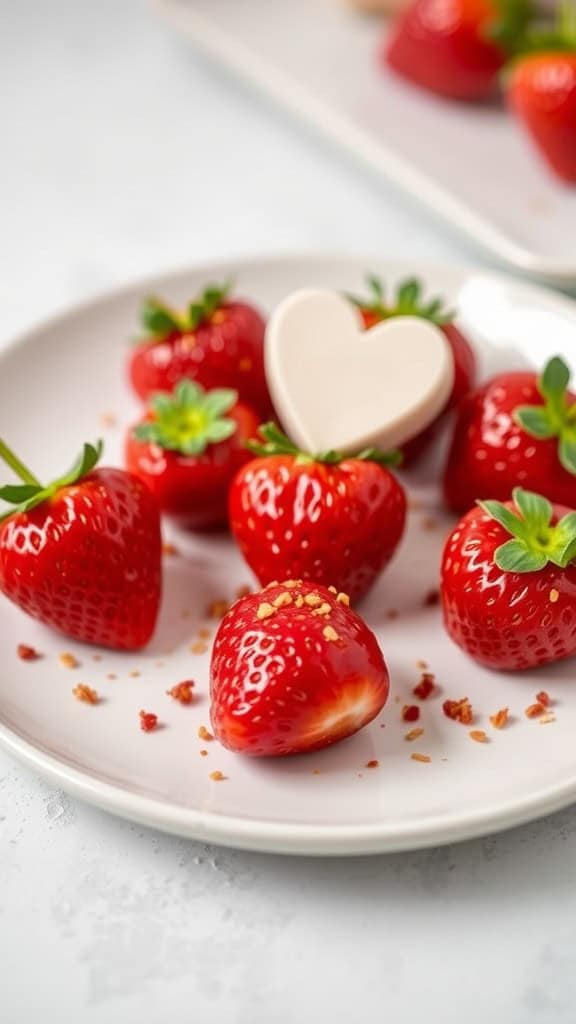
[217, 341]
[326, 518]
[455, 48]
[509, 582]
[83, 554]
[409, 301]
[516, 429]
[187, 450]
[542, 94]
[294, 669]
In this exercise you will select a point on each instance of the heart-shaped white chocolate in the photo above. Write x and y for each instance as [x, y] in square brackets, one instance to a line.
[338, 386]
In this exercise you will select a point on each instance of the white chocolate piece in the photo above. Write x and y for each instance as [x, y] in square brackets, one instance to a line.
[336, 385]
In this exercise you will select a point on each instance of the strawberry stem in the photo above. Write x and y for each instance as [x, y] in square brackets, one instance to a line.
[12, 460]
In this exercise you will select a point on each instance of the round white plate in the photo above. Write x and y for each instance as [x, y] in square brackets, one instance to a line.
[63, 383]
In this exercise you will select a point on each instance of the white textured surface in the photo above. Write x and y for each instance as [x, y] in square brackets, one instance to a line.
[120, 154]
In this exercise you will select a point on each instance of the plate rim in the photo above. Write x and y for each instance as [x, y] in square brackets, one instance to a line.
[250, 833]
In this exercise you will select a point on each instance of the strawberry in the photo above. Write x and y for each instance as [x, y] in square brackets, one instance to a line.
[516, 428]
[326, 518]
[409, 301]
[83, 553]
[541, 92]
[456, 48]
[217, 341]
[294, 669]
[509, 582]
[188, 448]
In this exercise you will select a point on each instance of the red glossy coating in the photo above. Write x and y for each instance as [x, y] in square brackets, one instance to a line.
[502, 619]
[337, 525]
[87, 561]
[491, 454]
[193, 489]
[279, 686]
[225, 351]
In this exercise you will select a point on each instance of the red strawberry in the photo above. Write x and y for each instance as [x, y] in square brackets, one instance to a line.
[326, 518]
[455, 48]
[409, 302]
[294, 669]
[188, 448]
[509, 582]
[83, 553]
[542, 94]
[216, 341]
[516, 429]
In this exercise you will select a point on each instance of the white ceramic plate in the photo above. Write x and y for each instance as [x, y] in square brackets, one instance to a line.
[469, 163]
[56, 385]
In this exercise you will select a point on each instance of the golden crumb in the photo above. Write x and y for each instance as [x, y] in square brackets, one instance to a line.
[68, 660]
[499, 719]
[324, 609]
[204, 634]
[373, 764]
[422, 665]
[392, 613]
[198, 647]
[343, 599]
[203, 753]
[86, 694]
[111, 675]
[535, 710]
[413, 734]
[169, 549]
[265, 610]
[182, 692]
[313, 600]
[429, 523]
[290, 584]
[282, 600]
[478, 735]
[217, 776]
[135, 674]
[329, 633]
[204, 734]
[273, 583]
[332, 590]
[315, 771]
[554, 595]
[547, 719]
[217, 609]
[421, 757]
[299, 602]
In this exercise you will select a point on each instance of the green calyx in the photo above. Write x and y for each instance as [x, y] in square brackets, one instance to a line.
[535, 541]
[556, 417]
[160, 320]
[407, 301]
[31, 492]
[274, 442]
[558, 36]
[189, 419]
[510, 25]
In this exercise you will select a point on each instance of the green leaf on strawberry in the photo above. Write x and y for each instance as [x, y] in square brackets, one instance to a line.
[31, 492]
[556, 417]
[189, 419]
[535, 540]
[408, 301]
[274, 442]
[161, 320]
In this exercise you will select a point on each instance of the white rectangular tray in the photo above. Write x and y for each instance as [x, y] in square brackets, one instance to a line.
[469, 163]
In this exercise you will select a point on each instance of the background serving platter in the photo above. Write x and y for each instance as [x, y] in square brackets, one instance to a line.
[469, 163]
[63, 383]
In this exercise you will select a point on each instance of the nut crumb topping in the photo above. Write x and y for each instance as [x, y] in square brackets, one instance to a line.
[68, 660]
[182, 692]
[299, 602]
[425, 688]
[290, 584]
[499, 719]
[198, 647]
[421, 665]
[373, 764]
[265, 610]
[478, 735]
[459, 710]
[282, 600]
[544, 698]
[313, 600]
[203, 753]
[324, 609]
[554, 595]
[217, 776]
[86, 694]
[332, 590]
[111, 675]
[148, 721]
[413, 734]
[535, 710]
[547, 719]
[329, 633]
[421, 757]
[204, 734]
[217, 609]
[343, 599]
[135, 674]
